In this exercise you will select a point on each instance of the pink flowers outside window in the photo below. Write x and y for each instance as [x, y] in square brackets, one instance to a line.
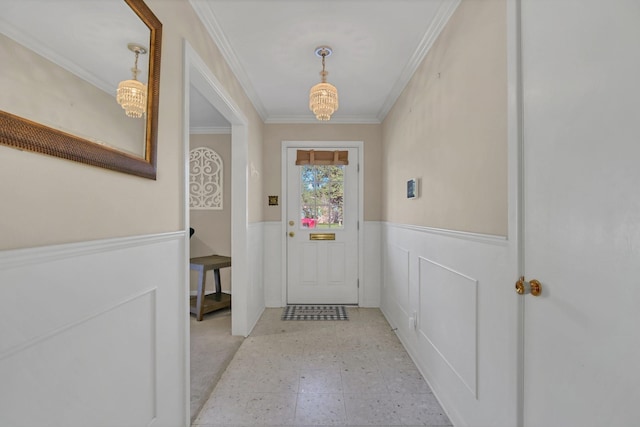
[308, 222]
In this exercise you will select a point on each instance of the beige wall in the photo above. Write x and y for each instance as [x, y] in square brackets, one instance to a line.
[46, 200]
[274, 134]
[213, 227]
[449, 128]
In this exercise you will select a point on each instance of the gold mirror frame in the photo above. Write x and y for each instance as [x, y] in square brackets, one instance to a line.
[27, 135]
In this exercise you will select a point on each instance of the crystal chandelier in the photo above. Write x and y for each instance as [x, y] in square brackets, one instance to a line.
[323, 97]
[132, 94]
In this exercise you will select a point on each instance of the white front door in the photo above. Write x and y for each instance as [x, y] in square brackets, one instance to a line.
[322, 230]
[582, 212]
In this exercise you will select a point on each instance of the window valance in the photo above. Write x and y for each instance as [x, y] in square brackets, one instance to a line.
[313, 157]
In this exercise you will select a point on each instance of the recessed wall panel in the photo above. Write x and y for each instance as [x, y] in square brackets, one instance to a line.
[73, 368]
[397, 276]
[448, 318]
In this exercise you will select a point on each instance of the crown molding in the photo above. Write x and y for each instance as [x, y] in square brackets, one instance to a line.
[445, 11]
[207, 17]
[307, 119]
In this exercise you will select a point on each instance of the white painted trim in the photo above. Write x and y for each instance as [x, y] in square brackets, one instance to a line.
[466, 235]
[482, 261]
[76, 322]
[310, 119]
[371, 282]
[445, 11]
[186, 222]
[515, 105]
[83, 270]
[256, 291]
[204, 11]
[239, 230]
[283, 191]
[272, 258]
[197, 73]
[473, 388]
[30, 256]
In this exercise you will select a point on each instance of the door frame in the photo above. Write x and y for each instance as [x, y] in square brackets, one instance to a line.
[283, 216]
[197, 73]
[515, 177]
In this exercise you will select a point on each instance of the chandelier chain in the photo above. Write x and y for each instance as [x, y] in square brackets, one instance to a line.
[135, 66]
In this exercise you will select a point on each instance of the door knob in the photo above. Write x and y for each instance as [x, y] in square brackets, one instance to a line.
[533, 287]
[291, 234]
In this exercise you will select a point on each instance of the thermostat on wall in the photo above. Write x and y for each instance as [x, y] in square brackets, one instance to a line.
[412, 188]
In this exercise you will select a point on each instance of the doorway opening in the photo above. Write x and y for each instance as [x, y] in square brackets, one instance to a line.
[214, 122]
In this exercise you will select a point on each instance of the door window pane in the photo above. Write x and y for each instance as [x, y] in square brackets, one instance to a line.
[322, 197]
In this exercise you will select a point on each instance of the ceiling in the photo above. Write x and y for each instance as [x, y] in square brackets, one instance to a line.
[269, 45]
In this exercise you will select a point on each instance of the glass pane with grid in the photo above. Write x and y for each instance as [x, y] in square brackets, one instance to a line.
[322, 197]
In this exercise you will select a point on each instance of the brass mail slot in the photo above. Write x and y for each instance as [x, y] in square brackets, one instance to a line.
[322, 236]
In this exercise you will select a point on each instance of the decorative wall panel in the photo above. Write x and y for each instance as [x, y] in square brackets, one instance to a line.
[397, 275]
[96, 338]
[447, 317]
[460, 286]
[205, 179]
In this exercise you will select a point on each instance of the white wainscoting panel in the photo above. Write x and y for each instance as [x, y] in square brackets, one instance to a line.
[274, 286]
[371, 278]
[396, 285]
[256, 294]
[460, 286]
[447, 317]
[93, 333]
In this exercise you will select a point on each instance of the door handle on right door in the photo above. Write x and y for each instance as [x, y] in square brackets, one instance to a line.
[533, 287]
[291, 234]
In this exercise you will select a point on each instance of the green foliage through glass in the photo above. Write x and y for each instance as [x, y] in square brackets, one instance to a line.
[322, 196]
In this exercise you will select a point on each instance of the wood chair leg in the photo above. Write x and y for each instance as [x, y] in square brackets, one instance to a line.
[216, 275]
[200, 294]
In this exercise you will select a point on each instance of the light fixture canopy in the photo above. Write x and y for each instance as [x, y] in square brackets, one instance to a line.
[323, 97]
[132, 94]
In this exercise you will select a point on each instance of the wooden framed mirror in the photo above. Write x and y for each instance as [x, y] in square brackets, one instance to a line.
[59, 98]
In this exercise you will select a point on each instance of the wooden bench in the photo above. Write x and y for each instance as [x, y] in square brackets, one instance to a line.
[201, 303]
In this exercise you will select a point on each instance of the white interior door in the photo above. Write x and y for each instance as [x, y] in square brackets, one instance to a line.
[582, 212]
[322, 230]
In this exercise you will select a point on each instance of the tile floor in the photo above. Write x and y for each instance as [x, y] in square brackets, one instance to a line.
[212, 348]
[322, 373]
